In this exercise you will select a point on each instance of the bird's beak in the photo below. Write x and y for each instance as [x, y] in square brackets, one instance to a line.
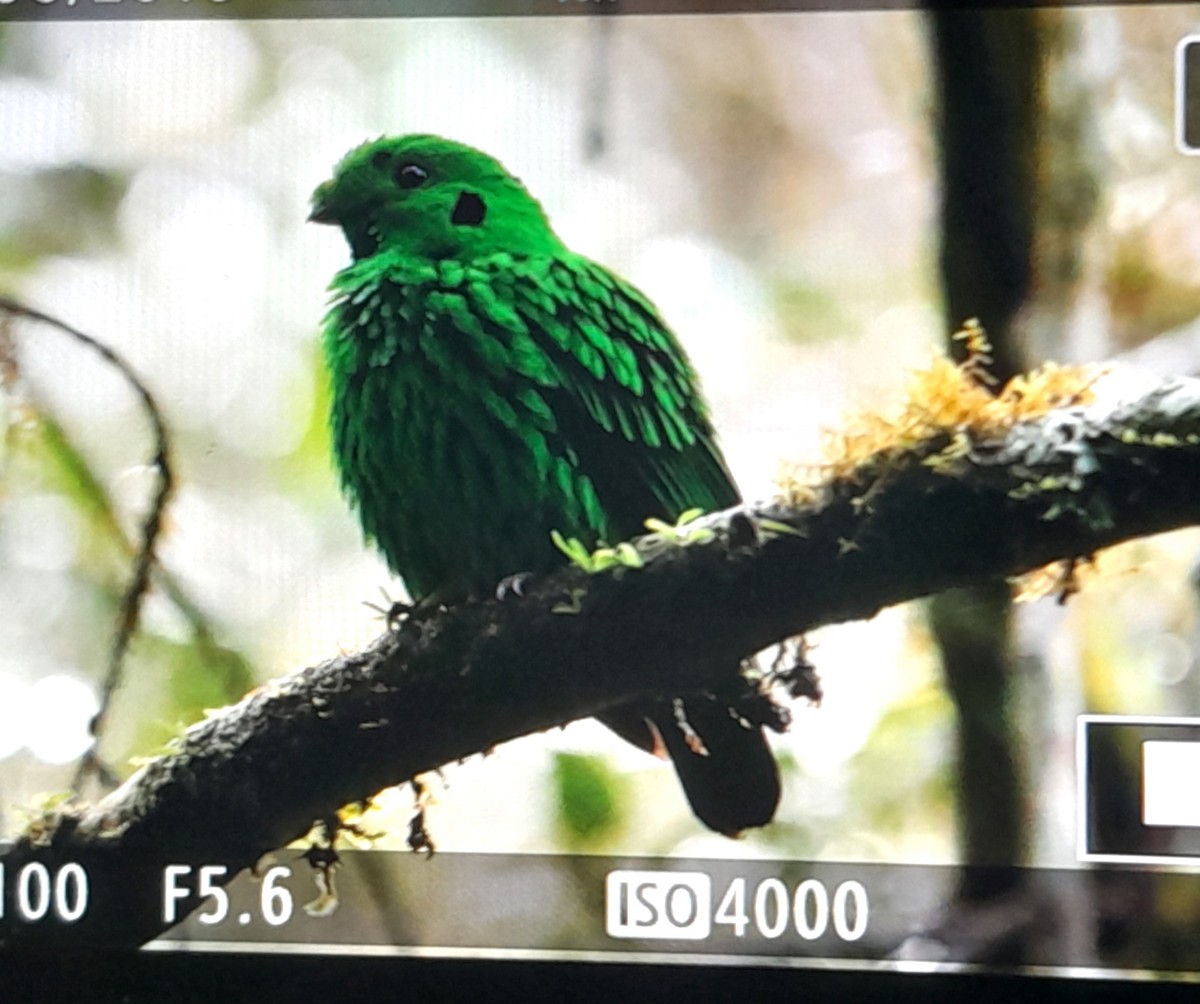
[321, 213]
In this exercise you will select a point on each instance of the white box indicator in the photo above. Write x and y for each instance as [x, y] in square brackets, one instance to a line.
[645, 904]
[1170, 783]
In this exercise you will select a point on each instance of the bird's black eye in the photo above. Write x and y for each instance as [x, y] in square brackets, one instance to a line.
[410, 175]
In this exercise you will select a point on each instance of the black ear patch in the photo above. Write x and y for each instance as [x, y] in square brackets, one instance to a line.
[469, 210]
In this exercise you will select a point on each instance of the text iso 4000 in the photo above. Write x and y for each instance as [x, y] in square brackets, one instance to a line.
[682, 906]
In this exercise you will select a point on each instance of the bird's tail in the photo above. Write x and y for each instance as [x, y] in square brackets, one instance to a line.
[725, 766]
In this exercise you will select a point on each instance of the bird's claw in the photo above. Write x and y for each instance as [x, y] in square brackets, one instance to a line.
[512, 585]
[393, 612]
[397, 613]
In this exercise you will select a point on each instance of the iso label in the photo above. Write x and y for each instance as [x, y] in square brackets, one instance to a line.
[658, 905]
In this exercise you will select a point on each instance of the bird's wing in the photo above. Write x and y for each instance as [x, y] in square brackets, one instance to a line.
[621, 406]
[627, 409]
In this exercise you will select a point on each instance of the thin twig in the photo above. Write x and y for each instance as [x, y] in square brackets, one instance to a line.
[129, 612]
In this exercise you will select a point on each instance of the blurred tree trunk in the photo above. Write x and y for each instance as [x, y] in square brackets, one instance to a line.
[988, 68]
[988, 74]
[1021, 184]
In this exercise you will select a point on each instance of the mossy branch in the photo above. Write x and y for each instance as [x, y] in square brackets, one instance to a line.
[957, 507]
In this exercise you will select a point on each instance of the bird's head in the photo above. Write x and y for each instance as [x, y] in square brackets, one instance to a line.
[431, 198]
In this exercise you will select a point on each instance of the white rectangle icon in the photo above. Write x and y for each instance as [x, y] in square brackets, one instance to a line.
[645, 904]
[1170, 783]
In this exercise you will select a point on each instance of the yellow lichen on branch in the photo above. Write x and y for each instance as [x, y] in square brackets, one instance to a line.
[948, 406]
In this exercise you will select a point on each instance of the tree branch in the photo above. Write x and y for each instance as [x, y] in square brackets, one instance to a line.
[957, 508]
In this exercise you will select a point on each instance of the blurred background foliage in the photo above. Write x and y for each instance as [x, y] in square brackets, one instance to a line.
[770, 181]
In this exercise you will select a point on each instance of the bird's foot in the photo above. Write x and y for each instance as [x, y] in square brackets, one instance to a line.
[513, 585]
[393, 612]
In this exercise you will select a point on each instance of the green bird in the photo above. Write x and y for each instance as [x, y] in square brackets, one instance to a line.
[489, 386]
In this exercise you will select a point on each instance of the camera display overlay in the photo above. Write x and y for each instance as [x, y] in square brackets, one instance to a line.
[605, 484]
